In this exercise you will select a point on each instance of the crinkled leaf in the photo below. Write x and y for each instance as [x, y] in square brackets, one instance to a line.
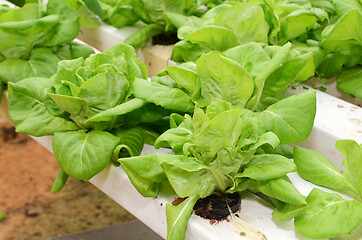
[42, 63]
[296, 23]
[250, 56]
[148, 113]
[225, 129]
[184, 75]
[213, 38]
[209, 16]
[178, 136]
[18, 38]
[178, 20]
[27, 12]
[246, 21]
[94, 6]
[187, 176]
[223, 79]
[176, 119]
[78, 50]
[174, 138]
[68, 27]
[104, 90]
[331, 64]
[285, 150]
[86, 17]
[122, 16]
[279, 58]
[186, 51]
[67, 71]
[268, 138]
[77, 108]
[29, 111]
[145, 174]
[73, 50]
[343, 7]
[126, 61]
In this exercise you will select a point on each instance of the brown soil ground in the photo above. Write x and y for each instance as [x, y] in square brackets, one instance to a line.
[27, 171]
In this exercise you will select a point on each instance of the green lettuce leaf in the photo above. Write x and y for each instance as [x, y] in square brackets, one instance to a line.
[145, 174]
[268, 166]
[246, 21]
[237, 88]
[328, 215]
[178, 216]
[291, 119]
[352, 163]
[59, 181]
[29, 110]
[350, 81]
[316, 168]
[167, 97]
[18, 38]
[42, 63]
[68, 27]
[281, 189]
[84, 154]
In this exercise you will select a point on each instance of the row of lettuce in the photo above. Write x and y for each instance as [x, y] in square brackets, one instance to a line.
[102, 110]
[329, 30]
[326, 34]
[221, 113]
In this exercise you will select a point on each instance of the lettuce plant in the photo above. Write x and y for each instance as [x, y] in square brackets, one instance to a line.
[328, 30]
[220, 150]
[157, 16]
[91, 109]
[327, 215]
[231, 143]
[33, 40]
[257, 75]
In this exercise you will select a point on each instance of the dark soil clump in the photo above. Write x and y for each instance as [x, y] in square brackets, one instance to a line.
[168, 38]
[216, 207]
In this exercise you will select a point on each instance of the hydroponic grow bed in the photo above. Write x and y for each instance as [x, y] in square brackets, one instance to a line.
[336, 119]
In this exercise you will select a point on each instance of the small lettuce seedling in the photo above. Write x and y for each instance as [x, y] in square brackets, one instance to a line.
[219, 150]
[327, 215]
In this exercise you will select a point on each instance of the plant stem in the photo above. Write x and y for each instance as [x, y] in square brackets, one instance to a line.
[220, 183]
